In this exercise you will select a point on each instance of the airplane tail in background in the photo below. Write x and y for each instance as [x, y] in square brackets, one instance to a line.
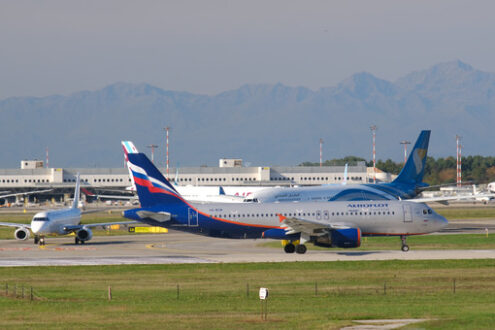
[414, 169]
[151, 186]
[129, 148]
[77, 191]
[344, 182]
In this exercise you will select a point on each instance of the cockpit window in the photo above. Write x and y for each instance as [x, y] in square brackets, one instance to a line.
[425, 211]
[40, 219]
[430, 211]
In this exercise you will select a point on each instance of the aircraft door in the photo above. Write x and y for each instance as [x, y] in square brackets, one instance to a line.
[192, 218]
[407, 213]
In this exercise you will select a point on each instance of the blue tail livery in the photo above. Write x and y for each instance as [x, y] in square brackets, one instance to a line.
[410, 180]
[163, 206]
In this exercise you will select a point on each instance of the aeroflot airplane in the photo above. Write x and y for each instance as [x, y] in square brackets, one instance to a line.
[328, 224]
[58, 222]
[407, 185]
[218, 194]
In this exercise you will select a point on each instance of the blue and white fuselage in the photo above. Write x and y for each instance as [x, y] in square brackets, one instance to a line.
[250, 220]
[406, 186]
[331, 223]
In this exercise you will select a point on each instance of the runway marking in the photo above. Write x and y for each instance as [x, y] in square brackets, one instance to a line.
[74, 249]
[103, 261]
[58, 248]
[17, 249]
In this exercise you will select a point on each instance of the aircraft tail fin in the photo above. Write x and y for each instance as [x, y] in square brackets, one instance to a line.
[414, 168]
[77, 192]
[344, 182]
[87, 192]
[176, 179]
[151, 186]
[129, 148]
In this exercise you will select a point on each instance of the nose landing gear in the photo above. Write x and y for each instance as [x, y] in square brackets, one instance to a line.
[404, 247]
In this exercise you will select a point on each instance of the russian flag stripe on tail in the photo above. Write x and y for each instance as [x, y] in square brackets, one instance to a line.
[151, 186]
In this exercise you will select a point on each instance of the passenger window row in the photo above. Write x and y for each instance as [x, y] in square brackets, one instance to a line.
[302, 214]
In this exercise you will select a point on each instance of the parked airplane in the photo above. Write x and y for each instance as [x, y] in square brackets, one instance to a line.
[407, 184]
[329, 224]
[481, 197]
[491, 187]
[58, 222]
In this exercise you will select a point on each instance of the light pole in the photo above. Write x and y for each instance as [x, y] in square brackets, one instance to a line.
[459, 160]
[321, 152]
[152, 146]
[373, 132]
[405, 143]
[167, 128]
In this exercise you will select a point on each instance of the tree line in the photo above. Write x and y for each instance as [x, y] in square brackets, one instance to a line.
[476, 169]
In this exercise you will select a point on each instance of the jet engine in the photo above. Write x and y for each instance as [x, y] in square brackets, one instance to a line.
[22, 234]
[84, 234]
[277, 233]
[342, 238]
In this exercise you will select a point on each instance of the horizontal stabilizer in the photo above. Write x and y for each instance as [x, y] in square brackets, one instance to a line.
[157, 216]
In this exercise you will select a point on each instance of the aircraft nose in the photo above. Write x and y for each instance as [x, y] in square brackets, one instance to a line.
[35, 227]
[38, 227]
[440, 222]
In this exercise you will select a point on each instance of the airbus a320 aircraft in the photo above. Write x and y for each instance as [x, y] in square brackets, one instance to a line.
[328, 224]
[59, 222]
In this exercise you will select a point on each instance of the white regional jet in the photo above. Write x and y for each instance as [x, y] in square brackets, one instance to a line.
[59, 222]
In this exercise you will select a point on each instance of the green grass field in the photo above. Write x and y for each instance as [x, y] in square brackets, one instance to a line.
[326, 295]
[423, 242]
[456, 213]
[322, 295]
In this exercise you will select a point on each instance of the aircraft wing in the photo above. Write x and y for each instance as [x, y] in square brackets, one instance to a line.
[25, 193]
[311, 227]
[103, 225]
[17, 225]
[116, 197]
[85, 191]
[445, 199]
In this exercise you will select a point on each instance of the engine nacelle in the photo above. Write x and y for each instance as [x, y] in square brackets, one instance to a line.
[278, 233]
[22, 234]
[342, 238]
[84, 234]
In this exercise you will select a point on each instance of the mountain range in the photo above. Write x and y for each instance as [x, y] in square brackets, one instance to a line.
[264, 124]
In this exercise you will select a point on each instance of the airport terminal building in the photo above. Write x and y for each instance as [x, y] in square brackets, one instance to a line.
[33, 175]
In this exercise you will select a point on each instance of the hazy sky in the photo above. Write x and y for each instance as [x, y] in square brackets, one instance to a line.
[59, 47]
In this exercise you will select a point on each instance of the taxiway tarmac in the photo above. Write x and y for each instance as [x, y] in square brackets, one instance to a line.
[177, 247]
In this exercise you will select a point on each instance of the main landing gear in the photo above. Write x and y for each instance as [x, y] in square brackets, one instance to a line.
[78, 241]
[404, 247]
[291, 248]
